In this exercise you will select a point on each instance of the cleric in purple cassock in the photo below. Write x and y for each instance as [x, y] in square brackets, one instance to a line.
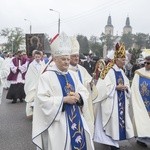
[18, 68]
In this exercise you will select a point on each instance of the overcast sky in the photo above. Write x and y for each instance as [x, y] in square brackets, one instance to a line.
[86, 17]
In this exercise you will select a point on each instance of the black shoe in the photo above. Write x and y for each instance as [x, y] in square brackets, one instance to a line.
[141, 143]
[114, 148]
[21, 100]
[6, 88]
[14, 101]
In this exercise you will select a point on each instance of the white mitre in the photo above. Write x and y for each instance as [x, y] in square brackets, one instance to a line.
[60, 45]
[110, 54]
[75, 47]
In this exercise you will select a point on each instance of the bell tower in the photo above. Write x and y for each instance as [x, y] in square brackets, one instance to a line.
[127, 28]
[109, 29]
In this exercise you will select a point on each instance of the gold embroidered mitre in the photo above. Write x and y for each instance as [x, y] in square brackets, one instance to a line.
[120, 51]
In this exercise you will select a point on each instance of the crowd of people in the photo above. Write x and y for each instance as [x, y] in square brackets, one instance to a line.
[77, 105]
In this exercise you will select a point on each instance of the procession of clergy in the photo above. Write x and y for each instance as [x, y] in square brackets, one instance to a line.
[69, 110]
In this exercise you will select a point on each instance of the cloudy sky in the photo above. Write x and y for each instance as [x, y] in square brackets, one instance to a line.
[86, 17]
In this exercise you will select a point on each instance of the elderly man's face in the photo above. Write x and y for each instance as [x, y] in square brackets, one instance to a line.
[74, 59]
[120, 62]
[62, 62]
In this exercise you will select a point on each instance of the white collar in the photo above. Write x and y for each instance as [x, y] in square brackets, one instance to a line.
[55, 68]
[116, 68]
[75, 68]
[36, 63]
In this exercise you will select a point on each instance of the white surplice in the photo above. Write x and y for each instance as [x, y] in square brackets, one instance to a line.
[4, 71]
[31, 80]
[141, 117]
[106, 110]
[7, 61]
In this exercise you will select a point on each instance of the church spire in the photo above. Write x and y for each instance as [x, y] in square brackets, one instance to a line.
[127, 21]
[109, 27]
[127, 28]
[109, 20]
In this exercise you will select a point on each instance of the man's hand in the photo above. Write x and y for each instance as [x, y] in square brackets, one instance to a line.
[72, 98]
[91, 84]
[121, 87]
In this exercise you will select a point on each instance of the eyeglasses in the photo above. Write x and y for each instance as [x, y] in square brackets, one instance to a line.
[146, 63]
[75, 55]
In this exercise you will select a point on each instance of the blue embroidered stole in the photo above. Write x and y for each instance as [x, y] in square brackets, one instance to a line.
[121, 106]
[144, 88]
[79, 74]
[77, 135]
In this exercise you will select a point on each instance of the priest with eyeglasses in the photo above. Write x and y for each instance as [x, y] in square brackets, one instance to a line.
[141, 103]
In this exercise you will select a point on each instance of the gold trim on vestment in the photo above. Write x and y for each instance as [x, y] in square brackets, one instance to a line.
[142, 75]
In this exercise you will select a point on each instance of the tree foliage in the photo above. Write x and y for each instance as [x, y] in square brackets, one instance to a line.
[135, 54]
[140, 40]
[84, 45]
[128, 40]
[107, 40]
[14, 37]
[96, 46]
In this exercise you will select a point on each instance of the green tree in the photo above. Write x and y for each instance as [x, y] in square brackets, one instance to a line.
[96, 46]
[14, 37]
[108, 40]
[140, 40]
[148, 42]
[84, 45]
[127, 39]
[135, 54]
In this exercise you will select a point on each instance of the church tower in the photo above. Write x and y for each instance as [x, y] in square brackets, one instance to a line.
[127, 28]
[109, 27]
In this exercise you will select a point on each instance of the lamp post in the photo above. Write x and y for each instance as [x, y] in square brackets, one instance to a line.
[30, 24]
[58, 19]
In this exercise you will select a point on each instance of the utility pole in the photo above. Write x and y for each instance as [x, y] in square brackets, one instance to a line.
[58, 19]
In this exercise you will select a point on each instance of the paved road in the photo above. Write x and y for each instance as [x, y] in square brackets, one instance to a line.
[15, 130]
[125, 145]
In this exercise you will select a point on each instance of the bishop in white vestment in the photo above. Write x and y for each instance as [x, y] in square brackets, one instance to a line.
[113, 119]
[85, 79]
[58, 120]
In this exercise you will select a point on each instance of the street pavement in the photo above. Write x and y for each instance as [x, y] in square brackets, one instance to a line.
[15, 129]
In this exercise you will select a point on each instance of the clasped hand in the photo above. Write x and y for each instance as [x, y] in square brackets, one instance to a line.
[72, 98]
[121, 87]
